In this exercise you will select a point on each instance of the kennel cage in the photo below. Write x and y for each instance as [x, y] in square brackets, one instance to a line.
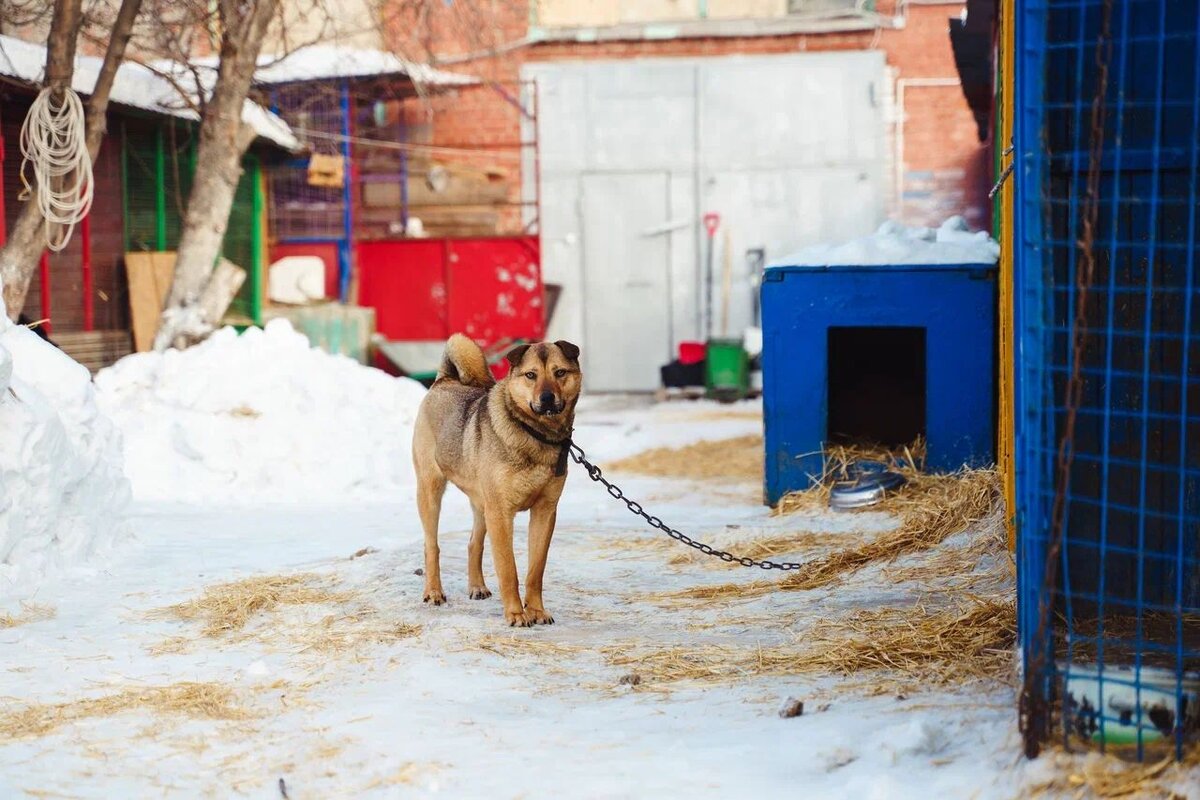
[1107, 103]
[878, 355]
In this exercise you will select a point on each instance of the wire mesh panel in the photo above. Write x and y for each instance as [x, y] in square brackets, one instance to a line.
[300, 210]
[159, 162]
[1108, 373]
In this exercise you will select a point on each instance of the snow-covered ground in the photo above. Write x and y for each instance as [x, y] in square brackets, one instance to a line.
[365, 692]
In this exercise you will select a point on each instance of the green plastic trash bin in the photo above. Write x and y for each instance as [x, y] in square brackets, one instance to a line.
[727, 370]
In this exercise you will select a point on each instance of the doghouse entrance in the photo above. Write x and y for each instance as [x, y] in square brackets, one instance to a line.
[876, 385]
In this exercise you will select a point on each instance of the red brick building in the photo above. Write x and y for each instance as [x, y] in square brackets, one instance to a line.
[944, 167]
[796, 121]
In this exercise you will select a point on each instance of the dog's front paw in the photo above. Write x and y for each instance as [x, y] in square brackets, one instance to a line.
[435, 596]
[517, 619]
[538, 616]
[478, 592]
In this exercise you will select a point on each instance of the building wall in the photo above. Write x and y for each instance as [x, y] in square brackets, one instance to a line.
[944, 169]
[110, 301]
[573, 13]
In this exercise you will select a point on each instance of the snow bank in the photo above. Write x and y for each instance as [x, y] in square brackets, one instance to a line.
[260, 417]
[895, 243]
[62, 488]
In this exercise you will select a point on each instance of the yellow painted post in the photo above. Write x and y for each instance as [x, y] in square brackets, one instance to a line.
[1006, 443]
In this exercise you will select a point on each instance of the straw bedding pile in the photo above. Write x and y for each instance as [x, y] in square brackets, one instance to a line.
[30, 612]
[740, 458]
[1100, 776]
[931, 509]
[197, 700]
[228, 607]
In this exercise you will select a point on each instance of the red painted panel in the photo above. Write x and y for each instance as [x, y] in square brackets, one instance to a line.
[326, 251]
[404, 281]
[494, 287]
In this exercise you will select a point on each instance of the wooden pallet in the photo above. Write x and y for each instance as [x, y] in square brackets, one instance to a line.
[95, 349]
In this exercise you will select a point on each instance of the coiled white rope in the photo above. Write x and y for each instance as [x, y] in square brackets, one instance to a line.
[54, 144]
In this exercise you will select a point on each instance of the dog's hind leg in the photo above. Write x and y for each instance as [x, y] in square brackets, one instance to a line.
[431, 486]
[476, 587]
[541, 529]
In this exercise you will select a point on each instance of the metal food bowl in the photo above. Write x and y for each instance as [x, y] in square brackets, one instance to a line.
[865, 484]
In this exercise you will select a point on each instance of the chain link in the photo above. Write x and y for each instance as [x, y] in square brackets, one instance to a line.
[593, 471]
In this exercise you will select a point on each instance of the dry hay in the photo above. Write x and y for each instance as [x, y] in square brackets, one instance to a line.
[739, 458]
[972, 640]
[517, 645]
[228, 607]
[339, 633]
[1111, 778]
[931, 509]
[196, 700]
[30, 612]
[757, 547]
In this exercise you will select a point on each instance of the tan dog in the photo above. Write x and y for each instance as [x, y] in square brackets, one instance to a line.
[505, 446]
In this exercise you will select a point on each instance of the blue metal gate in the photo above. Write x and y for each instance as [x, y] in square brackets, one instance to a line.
[1108, 371]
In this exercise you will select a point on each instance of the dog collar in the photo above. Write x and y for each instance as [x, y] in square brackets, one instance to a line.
[563, 445]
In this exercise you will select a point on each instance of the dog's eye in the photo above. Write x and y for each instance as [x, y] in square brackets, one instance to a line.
[531, 375]
[560, 373]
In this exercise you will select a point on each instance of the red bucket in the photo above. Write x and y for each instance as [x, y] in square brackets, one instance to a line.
[691, 352]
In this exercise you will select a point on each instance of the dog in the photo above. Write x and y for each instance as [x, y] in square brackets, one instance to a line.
[505, 445]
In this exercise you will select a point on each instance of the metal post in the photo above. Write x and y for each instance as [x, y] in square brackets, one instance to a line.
[345, 252]
[44, 280]
[257, 263]
[85, 243]
[160, 191]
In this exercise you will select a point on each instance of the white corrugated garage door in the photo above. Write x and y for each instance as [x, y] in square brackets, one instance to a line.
[789, 150]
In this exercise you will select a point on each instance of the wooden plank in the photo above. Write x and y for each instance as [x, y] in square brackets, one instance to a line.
[150, 275]
[95, 349]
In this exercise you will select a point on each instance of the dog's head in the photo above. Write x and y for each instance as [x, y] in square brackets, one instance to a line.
[544, 379]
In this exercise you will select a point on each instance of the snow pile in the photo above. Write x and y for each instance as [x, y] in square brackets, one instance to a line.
[896, 243]
[260, 417]
[62, 488]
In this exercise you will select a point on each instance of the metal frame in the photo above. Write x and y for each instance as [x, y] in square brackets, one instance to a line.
[1123, 595]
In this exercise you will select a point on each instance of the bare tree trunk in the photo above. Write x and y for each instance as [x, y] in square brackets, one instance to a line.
[19, 257]
[223, 141]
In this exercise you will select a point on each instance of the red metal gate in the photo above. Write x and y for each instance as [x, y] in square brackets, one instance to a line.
[489, 288]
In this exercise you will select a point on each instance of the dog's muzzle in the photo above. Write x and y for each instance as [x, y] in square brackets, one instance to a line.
[547, 405]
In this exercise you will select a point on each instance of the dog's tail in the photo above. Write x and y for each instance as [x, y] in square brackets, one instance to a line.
[463, 362]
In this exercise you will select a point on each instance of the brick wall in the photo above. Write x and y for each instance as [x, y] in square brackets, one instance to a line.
[945, 168]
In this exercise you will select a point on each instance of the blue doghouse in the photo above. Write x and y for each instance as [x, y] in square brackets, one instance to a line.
[877, 354]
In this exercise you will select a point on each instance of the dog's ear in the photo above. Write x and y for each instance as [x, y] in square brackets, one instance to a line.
[569, 350]
[515, 355]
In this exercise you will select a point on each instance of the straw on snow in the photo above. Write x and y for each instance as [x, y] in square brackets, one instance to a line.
[931, 509]
[30, 612]
[740, 458]
[972, 640]
[228, 607]
[200, 700]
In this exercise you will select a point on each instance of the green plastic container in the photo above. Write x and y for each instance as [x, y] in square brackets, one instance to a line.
[727, 370]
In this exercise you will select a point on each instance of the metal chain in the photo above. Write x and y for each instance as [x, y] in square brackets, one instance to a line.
[1006, 174]
[593, 471]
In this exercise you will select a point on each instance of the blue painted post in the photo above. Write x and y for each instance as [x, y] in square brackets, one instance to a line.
[345, 252]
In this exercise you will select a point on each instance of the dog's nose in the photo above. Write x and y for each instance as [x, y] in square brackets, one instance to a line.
[546, 399]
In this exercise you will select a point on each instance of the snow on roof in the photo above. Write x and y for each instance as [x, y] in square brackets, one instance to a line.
[326, 61]
[895, 243]
[137, 86]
